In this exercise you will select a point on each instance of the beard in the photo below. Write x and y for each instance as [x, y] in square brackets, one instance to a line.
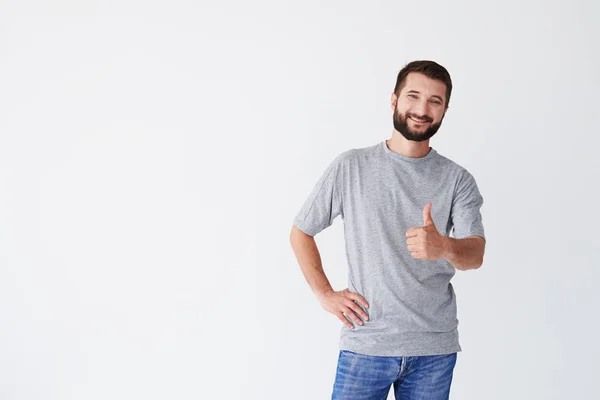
[401, 125]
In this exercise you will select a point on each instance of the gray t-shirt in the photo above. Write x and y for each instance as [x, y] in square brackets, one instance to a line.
[380, 194]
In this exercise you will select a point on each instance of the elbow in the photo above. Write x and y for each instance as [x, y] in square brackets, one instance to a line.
[478, 261]
[474, 265]
[480, 258]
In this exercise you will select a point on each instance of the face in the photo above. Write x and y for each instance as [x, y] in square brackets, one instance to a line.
[420, 107]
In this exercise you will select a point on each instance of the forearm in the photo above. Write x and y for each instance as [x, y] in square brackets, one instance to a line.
[464, 254]
[309, 259]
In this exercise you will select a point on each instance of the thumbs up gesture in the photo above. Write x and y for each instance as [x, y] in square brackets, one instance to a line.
[425, 242]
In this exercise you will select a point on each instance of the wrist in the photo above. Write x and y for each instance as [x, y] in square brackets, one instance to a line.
[448, 246]
[321, 294]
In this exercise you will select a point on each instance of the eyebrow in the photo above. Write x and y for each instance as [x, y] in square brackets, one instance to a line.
[435, 95]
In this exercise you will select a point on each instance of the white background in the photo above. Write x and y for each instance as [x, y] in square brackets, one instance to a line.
[153, 156]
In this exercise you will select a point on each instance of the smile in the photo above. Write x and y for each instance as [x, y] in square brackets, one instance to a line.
[418, 121]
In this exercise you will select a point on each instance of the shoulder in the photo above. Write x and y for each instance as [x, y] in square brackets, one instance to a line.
[460, 172]
[354, 155]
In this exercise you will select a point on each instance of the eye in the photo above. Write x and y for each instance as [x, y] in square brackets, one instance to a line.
[414, 96]
[436, 102]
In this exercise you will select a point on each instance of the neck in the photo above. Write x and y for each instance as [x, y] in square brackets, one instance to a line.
[408, 148]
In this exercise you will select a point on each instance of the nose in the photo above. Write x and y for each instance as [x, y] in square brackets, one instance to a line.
[420, 108]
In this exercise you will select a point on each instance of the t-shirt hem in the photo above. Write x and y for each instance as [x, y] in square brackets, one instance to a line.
[414, 352]
[404, 344]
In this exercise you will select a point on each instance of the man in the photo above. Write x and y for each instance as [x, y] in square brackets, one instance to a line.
[411, 218]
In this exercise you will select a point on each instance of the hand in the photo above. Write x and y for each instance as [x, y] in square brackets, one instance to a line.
[342, 302]
[425, 242]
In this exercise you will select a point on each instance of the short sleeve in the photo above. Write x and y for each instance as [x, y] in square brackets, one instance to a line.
[466, 204]
[324, 203]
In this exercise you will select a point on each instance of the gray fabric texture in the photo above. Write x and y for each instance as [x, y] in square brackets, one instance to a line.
[380, 194]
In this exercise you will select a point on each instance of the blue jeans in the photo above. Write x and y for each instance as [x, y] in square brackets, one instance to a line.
[364, 377]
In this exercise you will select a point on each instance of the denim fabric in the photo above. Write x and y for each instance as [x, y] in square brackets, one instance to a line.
[366, 377]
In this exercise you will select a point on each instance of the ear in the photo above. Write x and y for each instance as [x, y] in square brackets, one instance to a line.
[394, 101]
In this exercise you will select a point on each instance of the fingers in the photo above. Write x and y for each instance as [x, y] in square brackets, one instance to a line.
[413, 242]
[351, 314]
[414, 247]
[344, 320]
[427, 220]
[359, 298]
[412, 232]
[352, 305]
[352, 309]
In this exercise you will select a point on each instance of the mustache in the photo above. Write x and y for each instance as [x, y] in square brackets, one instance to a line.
[426, 118]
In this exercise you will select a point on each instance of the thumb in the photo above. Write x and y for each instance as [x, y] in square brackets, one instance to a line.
[427, 220]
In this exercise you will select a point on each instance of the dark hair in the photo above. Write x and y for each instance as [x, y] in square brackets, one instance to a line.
[428, 68]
